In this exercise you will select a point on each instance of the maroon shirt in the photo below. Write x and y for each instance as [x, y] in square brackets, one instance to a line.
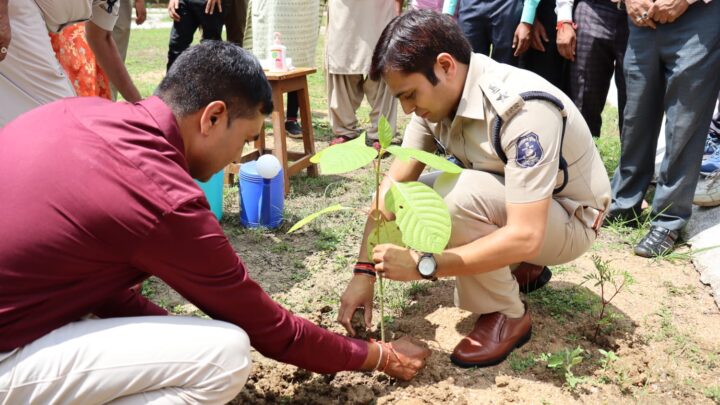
[95, 197]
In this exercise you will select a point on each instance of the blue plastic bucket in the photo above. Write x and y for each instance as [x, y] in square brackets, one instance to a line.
[261, 200]
[213, 190]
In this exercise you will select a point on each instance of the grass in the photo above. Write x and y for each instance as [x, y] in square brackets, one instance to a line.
[562, 303]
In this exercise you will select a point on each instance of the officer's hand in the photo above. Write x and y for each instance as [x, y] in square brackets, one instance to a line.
[396, 263]
[403, 358]
[521, 39]
[359, 293]
[172, 9]
[566, 42]
[140, 12]
[539, 35]
[667, 11]
[639, 12]
[5, 35]
[211, 4]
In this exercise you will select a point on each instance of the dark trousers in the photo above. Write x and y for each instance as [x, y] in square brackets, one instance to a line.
[293, 106]
[192, 15]
[671, 70]
[549, 64]
[235, 18]
[715, 123]
[491, 22]
[602, 38]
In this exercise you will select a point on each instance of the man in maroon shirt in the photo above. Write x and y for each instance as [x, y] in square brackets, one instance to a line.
[98, 196]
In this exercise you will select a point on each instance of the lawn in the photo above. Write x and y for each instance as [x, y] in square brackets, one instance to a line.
[659, 342]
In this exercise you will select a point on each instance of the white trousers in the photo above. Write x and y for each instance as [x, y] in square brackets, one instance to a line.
[30, 74]
[140, 360]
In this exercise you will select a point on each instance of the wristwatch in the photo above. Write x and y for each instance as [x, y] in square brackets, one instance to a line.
[427, 266]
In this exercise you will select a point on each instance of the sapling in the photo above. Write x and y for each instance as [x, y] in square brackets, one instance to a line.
[422, 221]
[605, 278]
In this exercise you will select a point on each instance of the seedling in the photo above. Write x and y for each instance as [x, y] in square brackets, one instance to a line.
[422, 220]
[606, 278]
[563, 361]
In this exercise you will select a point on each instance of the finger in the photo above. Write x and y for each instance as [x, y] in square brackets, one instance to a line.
[219, 6]
[368, 314]
[345, 321]
[650, 23]
[544, 35]
[208, 7]
[652, 11]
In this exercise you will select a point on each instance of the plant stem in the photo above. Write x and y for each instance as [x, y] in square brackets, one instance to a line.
[378, 219]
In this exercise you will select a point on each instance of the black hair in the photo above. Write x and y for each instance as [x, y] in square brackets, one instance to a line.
[216, 71]
[412, 41]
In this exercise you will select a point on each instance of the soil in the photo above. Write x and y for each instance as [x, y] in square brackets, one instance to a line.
[665, 328]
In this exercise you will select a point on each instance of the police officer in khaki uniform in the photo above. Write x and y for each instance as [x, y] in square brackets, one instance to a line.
[533, 194]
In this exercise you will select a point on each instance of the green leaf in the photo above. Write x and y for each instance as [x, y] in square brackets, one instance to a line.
[345, 157]
[385, 132]
[434, 161]
[299, 224]
[421, 215]
[389, 233]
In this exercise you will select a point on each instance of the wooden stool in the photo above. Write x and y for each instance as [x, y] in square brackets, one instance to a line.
[285, 82]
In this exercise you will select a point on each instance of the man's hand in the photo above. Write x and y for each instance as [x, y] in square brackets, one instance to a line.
[396, 263]
[667, 11]
[639, 12]
[140, 12]
[566, 41]
[359, 293]
[172, 9]
[5, 32]
[406, 358]
[539, 35]
[211, 4]
[521, 39]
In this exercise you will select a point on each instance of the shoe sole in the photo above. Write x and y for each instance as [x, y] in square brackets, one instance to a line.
[493, 362]
[539, 283]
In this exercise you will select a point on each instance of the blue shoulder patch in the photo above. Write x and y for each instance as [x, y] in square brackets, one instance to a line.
[529, 151]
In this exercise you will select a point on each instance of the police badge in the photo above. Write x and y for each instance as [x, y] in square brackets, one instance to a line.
[528, 150]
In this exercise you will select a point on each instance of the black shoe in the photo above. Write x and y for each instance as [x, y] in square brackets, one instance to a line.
[629, 218]
[293, 129]
[657, 242]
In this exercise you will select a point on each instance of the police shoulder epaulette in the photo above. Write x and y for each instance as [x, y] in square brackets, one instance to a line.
[504, 102]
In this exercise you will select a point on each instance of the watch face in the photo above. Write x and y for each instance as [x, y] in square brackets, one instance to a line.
[426, 266]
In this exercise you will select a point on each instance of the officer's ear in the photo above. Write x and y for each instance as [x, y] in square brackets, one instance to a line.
[447, 64]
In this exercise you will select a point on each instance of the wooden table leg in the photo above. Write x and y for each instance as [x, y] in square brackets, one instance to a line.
[278, 122]
[307, 128]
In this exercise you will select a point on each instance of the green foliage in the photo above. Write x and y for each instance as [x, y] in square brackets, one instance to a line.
[309, 218]
[386, 232]
[345, 157]
[606, 278]
[421, 214]
[562, 303]
[608, 357]
[385, 132]
[519, 363]
[713, 392]
[434, 161]
[563, 361]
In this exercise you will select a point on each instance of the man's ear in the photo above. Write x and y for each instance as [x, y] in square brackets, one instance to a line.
[447, 64]
[214, 115]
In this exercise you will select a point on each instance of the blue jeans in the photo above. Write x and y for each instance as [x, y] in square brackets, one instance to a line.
[491, 22]
[673, 69]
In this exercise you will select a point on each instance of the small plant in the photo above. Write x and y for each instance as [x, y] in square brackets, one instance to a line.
[606, 278]
[519, 363]
[563, 362]
[713, 393]
[608, 357]
[422, 219]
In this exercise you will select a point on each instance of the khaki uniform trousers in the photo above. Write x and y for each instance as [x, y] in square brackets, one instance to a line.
[121, 34]
[345, 93]
[30, 74]
[140, 360]
[476, 202]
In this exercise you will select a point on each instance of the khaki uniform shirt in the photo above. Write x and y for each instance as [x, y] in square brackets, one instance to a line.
[60, 13]
[530, 138]
[354, 27]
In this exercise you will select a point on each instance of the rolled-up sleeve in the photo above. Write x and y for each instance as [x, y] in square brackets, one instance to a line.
[189, 251]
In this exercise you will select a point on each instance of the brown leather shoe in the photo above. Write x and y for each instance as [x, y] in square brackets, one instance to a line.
[531, 277]
[492, 339]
